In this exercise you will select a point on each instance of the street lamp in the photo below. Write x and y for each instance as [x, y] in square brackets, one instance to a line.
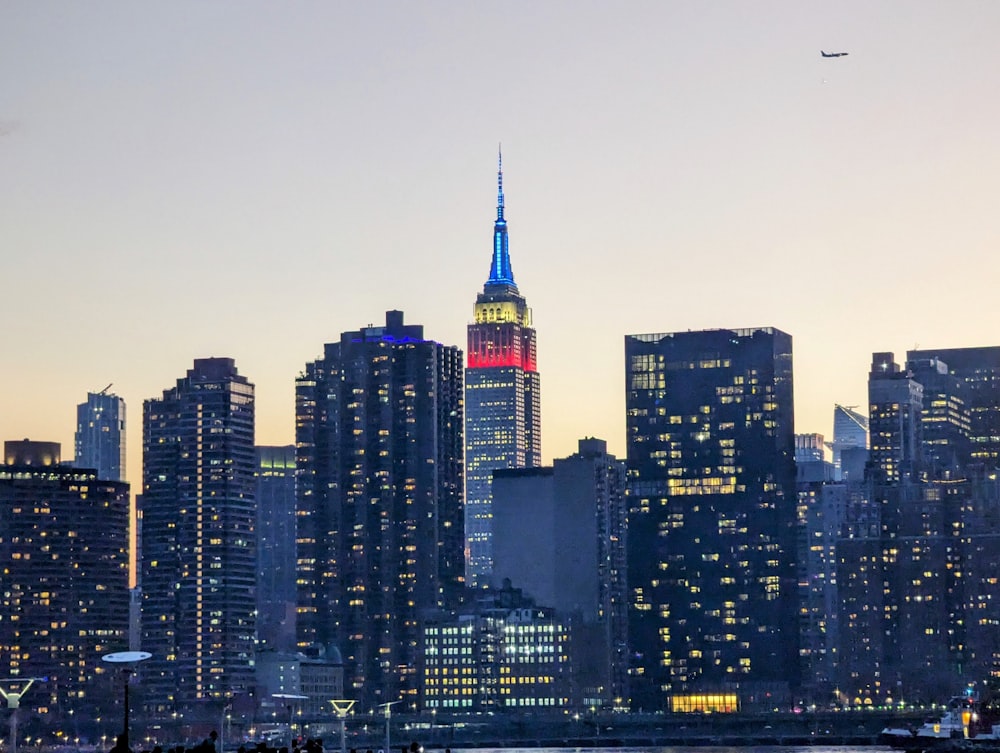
[388, 713]
[13, 699]
[127, 660]
[342, 709]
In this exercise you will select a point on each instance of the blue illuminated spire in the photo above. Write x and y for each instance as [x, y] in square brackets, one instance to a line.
[500, 270]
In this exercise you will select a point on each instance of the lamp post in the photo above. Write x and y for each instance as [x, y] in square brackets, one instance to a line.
[127, 660]
[13, 699]
[388, 714]
[342, 709]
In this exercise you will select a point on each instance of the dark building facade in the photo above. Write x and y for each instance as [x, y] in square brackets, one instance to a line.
[198, 564]
[379, 422]
[64, 596]
[276, 597]
[979, 371]
[559, 534]
[100, 435]
[502, 396]
[918, 615]
[895, 402]
[712, 516]
[821, 512]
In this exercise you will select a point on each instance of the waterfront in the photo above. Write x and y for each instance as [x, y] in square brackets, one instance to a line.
[821, 748]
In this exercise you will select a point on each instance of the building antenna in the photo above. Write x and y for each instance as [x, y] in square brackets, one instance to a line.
[499, 181]
[105, 390]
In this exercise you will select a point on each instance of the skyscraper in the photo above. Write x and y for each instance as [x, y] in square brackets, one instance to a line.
[712, 511]
[895, 404]
[198, 561]
[917, 557]
[559, 534]
[979, 370]
[502, 397]
[100, 435]
[946, 447]
[64, 595]
[379, 483]
[850, 443]
[276, 547]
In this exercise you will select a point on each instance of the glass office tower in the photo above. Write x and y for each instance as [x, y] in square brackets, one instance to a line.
[711, 536]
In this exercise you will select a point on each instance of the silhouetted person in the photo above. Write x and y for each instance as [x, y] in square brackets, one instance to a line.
[120, 746]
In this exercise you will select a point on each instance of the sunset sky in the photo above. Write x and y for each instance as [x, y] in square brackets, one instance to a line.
[181, 180]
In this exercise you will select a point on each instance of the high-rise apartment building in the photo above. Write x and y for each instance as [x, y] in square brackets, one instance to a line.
[276, 547]
[64, 596]
[712, 516]
[380, 517]
[199, 547]
[100, 435]
[559, 534]
[502, 397]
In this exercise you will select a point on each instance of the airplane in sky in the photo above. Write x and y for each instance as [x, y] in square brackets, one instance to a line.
[832, 54]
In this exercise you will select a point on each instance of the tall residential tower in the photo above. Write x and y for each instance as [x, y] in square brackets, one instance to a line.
[502, 398]
[100, 435]
[379, 486]
[199, 547]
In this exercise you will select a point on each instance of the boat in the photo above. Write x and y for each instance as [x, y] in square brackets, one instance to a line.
[963, 727]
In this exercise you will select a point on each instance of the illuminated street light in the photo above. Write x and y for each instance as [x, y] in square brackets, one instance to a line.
[127, 660]
[13, 699]
[342, 709]
[388, 713]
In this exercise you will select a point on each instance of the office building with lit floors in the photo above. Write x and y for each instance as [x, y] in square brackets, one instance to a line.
[198, 564]
[978, 371]
[501, 652]
[502, 396]
[64, 596]
[379, 422]
[712, 516]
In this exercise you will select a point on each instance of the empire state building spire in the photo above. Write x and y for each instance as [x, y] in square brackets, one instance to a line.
[501, 273]
[502, 397]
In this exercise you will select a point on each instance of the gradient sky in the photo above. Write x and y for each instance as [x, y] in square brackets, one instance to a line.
[243, 179]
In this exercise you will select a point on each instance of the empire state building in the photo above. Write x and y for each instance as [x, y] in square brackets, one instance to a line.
[502, 398]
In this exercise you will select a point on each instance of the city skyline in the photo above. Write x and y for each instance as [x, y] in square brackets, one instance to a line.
[215, 183]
